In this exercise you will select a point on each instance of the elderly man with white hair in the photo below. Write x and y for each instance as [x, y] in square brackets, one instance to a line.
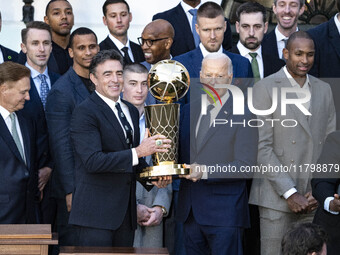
[213, 198]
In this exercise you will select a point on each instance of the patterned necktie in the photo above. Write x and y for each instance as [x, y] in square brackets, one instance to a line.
[44, 89]
[126, 125]
[204, 126]
[15, 135]
[255, 66]
[127, 58]
[193, 12]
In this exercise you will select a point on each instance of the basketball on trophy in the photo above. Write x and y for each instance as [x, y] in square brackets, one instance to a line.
[168, 81]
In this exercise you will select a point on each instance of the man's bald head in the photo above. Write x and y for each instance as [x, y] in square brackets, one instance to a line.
[157, 38]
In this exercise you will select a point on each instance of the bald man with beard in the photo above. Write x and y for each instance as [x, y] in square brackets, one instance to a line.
[156, 40]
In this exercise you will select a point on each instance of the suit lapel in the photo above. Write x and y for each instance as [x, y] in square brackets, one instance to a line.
[6, 135]
[79, 86]
[299, 116]
[183, 22]
[26, 139]
[334, 36]
[111, 45]
[111, 118]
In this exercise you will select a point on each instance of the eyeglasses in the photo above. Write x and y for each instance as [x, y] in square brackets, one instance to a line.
[148, 42]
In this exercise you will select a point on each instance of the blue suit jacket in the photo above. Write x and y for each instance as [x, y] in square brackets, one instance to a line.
[35, 110]
[270, 53]
[222, 199]
[9, 55]
[18, 181]
[105, 178]
[65, 95]
[184, 40]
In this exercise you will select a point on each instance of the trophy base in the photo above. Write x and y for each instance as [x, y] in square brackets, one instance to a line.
[165, 168]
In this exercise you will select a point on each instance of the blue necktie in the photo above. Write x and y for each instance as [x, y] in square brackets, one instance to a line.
[44, 89]
[126, 125]
[193, 12]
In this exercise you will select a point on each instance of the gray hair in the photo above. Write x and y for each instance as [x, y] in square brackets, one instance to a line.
[219, 55]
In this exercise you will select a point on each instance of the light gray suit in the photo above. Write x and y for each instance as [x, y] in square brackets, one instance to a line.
[287, 146]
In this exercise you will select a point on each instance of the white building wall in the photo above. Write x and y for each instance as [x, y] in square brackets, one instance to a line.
[87, 13]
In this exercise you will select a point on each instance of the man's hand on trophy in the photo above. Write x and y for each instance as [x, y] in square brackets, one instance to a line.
[153, 144]
[196, 172]
[162, 181]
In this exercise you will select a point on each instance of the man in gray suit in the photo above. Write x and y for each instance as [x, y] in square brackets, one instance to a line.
[289, 142]
[152, 205]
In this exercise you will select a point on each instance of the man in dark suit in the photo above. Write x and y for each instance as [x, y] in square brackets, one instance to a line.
[211, 31]
[59, 15]
[182, 17]
[325, 187]
[287, 13]
[37, 45]
[214, 206]
[327, 55]
[117, 18]
[70, 90]
[105, 136]
[18, 162]
[5, 53]
[251, 25]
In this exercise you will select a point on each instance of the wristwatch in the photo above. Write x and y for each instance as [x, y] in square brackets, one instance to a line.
[164, 212]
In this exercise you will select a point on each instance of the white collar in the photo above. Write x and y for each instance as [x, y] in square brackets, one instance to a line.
[279, 35]
[4, 112]
[337, 22]
[187, 7]
[205, 52]
[118, 43]
[108, 101]
[245, 51]
[35, 73]
[293, 81]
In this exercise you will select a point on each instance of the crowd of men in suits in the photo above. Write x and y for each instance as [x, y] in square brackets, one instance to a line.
[73, 136]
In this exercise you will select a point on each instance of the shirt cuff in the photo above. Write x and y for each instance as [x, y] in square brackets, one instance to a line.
[135, 160]
[290, 192]
[326, 205]
[205, 175]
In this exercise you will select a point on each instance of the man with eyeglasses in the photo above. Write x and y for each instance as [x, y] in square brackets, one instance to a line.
[117, 18]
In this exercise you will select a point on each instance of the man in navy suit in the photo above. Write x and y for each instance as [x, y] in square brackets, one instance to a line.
[18, 162]
[69, 91]
[37, 45]
[181, 18]
[117, 18]
[287, 13]
[327, 55]
[105, 135]
[214, 206]
[5, 53]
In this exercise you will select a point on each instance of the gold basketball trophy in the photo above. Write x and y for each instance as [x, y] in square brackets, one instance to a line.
[168, 81]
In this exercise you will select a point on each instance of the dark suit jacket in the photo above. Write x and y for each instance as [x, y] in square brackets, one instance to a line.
[327, 58]
[35, 110]
[269, 64]
[270, 53]
[325, 185]
[222, 199]
[9, 55]
[105, 178]
[18, 181]
[184, 40]
[65, 95]
[137, 52]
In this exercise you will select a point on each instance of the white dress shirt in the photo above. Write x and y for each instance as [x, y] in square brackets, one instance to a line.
[337, 22]
[186, 9]
[205, 52]
[120, 46]
[280, 43]
[244, 52]
[306, 86]
[125, 109]
[1, 57]
[5, 115]
[36, 79]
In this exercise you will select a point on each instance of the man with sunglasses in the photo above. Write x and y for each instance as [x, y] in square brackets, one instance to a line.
[117, 18]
